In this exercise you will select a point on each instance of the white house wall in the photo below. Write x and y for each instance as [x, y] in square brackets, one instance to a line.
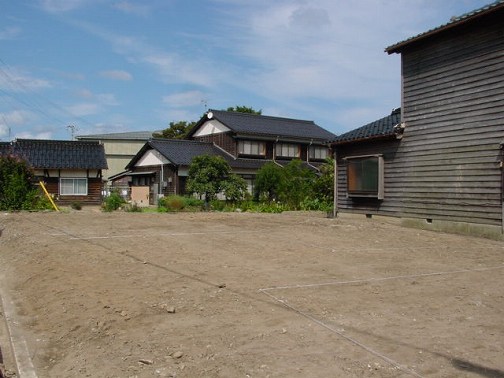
[150, 158]
[211, 127]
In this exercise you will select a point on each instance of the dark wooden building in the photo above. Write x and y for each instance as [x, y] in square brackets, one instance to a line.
[446, 170]
[70, 170]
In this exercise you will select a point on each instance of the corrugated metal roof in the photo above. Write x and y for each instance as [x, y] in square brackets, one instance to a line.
[455, 21]
[383, 128]
[132, 135]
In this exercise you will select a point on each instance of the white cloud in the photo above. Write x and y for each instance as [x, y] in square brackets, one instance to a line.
[131, 8]
[172, 67]
[83, 109]
[4, 130]
[9, 33]
[32, 135]
[183, 99]
[117, 75]
[85, 93]
[107, 99]
[15, 117]
[15, 80]
[59, 6]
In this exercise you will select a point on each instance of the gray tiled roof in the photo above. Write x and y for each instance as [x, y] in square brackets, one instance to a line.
[60, 154]
[181, 152]
[5, 148]
[382, 128]
[267, 126]
[455, 21]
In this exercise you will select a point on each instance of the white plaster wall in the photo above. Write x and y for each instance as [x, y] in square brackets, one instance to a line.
[211, 127]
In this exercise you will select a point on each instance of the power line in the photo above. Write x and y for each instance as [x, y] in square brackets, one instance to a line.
[16, 86]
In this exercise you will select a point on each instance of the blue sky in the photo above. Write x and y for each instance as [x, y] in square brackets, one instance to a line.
[107, 66]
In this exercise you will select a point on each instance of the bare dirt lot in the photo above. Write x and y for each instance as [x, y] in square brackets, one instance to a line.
[91, 294]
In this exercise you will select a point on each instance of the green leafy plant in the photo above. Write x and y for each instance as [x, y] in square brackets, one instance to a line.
[234, 188]
[17, 191]
[207, 175]
[113, 202]
[267, 183]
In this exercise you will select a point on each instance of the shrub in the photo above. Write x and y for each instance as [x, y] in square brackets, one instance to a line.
[133, 208]
[113, 202]
[76, 206]
[16, 189]
[172, 203]
[217, 205]
[193, 202]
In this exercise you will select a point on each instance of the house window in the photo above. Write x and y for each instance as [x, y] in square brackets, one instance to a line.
[365, 176]
[74, 186]
[287, 150]
[318, 152]
[247, 147]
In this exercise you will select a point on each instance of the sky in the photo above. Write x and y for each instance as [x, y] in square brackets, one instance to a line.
[80, 67]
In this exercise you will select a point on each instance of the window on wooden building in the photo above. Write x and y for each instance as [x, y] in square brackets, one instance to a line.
[365, 176]
[73, 186]
[247, 147]
[318, 152]
[287, 150]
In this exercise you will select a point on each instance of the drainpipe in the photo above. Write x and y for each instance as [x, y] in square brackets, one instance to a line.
[274, 152]
[335, 199]
[308, 157]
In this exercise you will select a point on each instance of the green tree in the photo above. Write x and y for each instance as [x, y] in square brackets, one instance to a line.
[323, 188]
[297, 184]
[243, 109]
[268, 181]
[207, 175]
[235, 188]
[177, 130]
[16, 189]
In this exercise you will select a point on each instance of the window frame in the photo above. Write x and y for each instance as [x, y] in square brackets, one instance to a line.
[313, 155]
[378, 190]
[75, 187]
[288, 146]
[261, 147]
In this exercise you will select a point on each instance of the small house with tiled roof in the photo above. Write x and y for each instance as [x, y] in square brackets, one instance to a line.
[71, 170]
[246, 141]
[438, 163]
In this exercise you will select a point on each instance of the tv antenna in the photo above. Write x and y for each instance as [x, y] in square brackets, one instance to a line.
[72, 129]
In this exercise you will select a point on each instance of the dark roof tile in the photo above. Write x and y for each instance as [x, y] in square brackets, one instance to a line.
[455, 21]
[60, 154]
[382, 128]
[267, 126]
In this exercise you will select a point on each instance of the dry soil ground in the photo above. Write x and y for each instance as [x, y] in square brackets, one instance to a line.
[247, 295]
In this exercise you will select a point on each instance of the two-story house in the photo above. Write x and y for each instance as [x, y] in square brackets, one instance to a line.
[438, 163]
[246, 141]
